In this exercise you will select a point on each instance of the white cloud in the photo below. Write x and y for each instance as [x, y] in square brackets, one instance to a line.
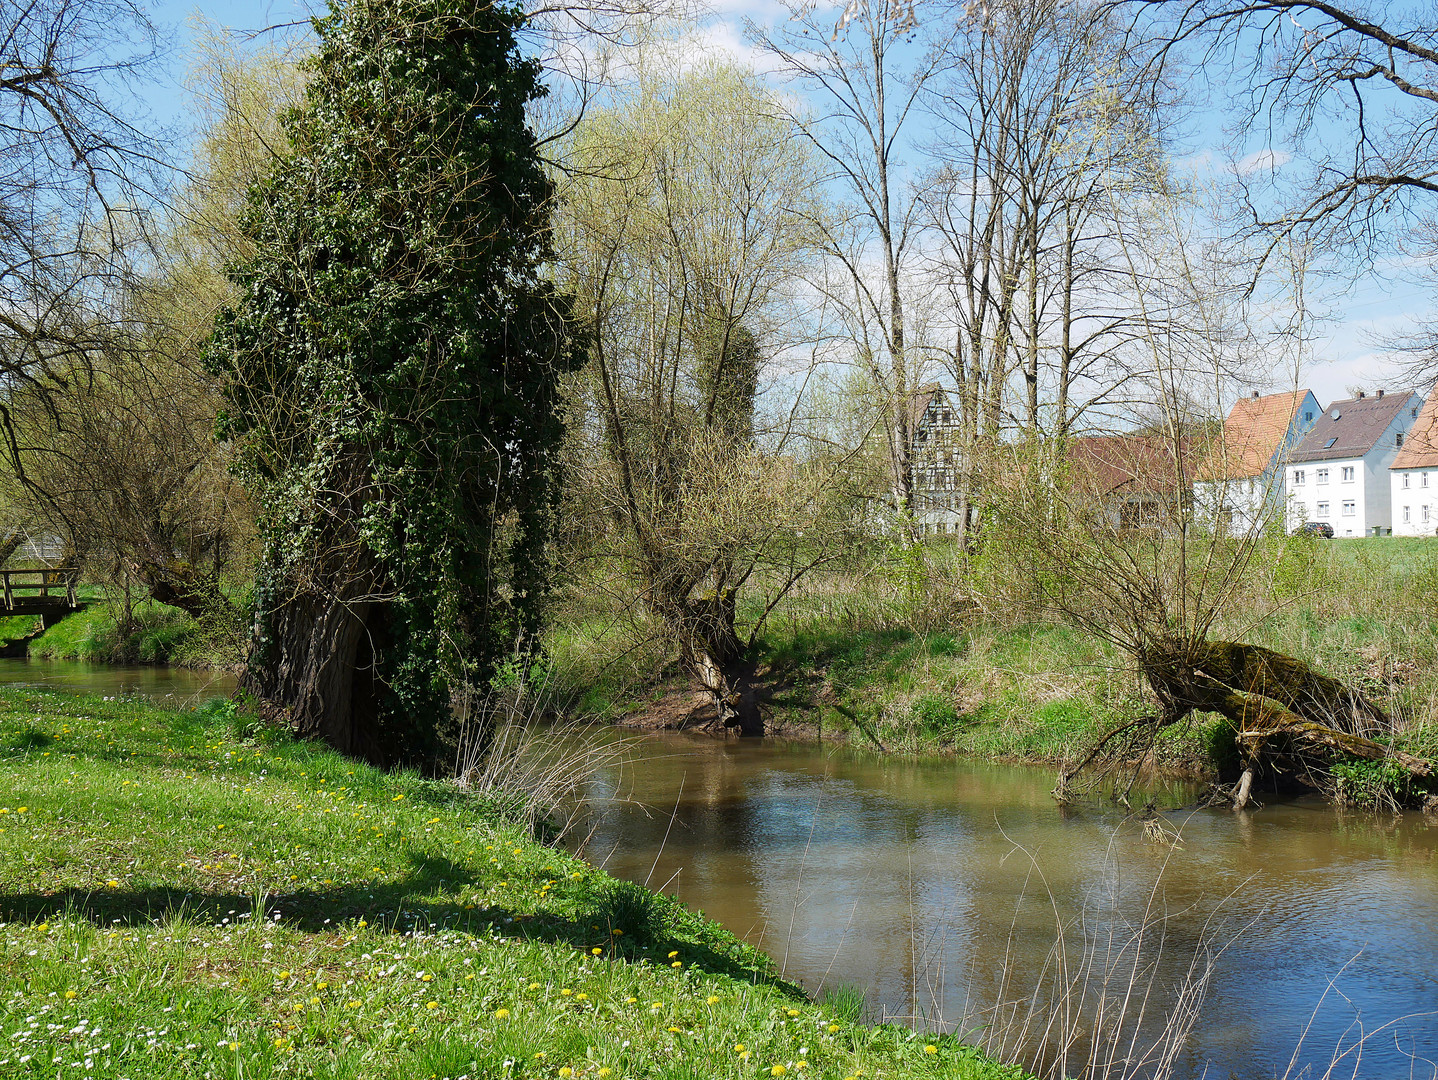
[1266, 160]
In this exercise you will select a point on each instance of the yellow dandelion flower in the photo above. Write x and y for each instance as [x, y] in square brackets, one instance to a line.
[778, 1070]
[604, 1071]
[581, 997]
[791, 1012]
[534, 986]
[283, 975]
[565, 992]
[363, 924]
[712, 999]
[801, 1065]
[501, 1014]
[234, 1046]
[597, 951]
[565, 1070]
[431, 1004]
[71, 994]
[931, 1049]
[833, 1028]
[738, 1048]
[630, 1000]
[677, 964]
[674, 954]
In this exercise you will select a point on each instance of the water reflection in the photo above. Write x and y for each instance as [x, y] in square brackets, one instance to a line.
[175, 687]
[925, 883]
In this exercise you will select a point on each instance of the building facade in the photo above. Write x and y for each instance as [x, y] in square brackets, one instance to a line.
[1339, 474]
[1413, 476]
[1241, 484]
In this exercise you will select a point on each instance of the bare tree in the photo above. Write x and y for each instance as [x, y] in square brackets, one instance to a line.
[76, 177]
[865, 79]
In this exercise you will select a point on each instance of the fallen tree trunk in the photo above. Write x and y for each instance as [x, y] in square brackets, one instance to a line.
[1285, 716]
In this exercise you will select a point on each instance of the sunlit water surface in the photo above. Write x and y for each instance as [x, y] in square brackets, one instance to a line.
[938, 887]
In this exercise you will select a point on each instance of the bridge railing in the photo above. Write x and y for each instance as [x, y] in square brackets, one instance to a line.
[46, 587]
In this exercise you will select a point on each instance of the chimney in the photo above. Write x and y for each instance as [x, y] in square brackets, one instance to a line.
[1362, 394]
[1380, 393]
[1255, 395]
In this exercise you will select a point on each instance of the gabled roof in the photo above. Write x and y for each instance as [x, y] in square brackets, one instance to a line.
[1252, 434]
[1130, 464]
[1420, 450]
[919, 402]
[1350, 428]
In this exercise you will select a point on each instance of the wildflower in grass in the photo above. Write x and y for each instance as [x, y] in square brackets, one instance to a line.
[565, 992]
[712, 999]
[630, 1000]
[581, 996]
[534, 986]
[801, 1065]
[778, 1070]
[597, 951]
[352, 1003]
[677, 964]
[674, 954]
[501, 1014]
[931, 1049]
[431, 1004]
[738, 1048]
[604, 1071]
[70, 994]
[833, 1028]
[791, 1012]
[363, 924]
[566, 1071]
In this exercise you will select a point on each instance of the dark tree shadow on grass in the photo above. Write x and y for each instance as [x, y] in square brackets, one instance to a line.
[647, 920]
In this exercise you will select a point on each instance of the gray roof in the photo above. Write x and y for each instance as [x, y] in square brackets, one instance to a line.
[1359, 424]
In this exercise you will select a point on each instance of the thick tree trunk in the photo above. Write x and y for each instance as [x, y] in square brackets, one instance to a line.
[9, 543]
[713, 653]
[179, 584]
[313, 668]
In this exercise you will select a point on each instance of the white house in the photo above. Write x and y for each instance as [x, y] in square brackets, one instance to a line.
[1241, 483]
[1413, 476]
[1339, 473]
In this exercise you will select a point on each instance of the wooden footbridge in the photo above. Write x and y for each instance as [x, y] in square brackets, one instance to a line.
[44, 592]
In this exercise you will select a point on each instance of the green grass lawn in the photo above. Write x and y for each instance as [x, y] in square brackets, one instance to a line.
[177, 900]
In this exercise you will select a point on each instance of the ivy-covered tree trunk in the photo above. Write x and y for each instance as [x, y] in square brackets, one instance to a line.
[391, 370]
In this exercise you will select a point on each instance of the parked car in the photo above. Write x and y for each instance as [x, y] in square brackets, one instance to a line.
[1315, 528]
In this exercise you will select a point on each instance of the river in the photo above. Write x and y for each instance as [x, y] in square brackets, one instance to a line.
[940, 888]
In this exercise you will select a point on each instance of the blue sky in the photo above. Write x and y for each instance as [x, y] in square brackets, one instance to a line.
[1346, 351]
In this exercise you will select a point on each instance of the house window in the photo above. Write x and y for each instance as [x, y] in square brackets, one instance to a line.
[1323, 511]
[1330, 442]
[1349, 508]
[1308, 417]
[1423, 480]
[1322, 476]
[1398, 440]
[1406, 479]
[1250, 485]
[1298, 476]
[1425, 515]
[1348, 474]
[1406, 516]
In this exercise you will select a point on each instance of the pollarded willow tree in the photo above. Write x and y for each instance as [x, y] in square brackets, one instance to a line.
[689, 221]
[391, 368]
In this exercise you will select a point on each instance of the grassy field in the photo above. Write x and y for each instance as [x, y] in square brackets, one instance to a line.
[889, 661]
[181, 896]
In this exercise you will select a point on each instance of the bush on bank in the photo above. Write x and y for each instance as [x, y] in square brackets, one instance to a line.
[182, 895]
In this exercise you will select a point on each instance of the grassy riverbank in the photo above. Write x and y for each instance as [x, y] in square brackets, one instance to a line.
[180, 900]
[155, 634]
[904, 662]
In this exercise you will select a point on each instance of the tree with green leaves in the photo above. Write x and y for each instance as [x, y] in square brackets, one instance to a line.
[391, 365]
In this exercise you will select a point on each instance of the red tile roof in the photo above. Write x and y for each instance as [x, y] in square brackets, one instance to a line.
[1420, 449]
[1252, 434]
[1130, 464]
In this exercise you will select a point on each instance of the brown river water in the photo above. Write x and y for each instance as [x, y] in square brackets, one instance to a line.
[944, 889]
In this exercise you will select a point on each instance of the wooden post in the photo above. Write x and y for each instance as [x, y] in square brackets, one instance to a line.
[9, 600]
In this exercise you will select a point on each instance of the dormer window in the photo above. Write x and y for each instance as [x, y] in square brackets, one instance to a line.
[1329, 444]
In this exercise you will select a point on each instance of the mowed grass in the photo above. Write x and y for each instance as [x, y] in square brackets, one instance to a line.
[177, 900]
